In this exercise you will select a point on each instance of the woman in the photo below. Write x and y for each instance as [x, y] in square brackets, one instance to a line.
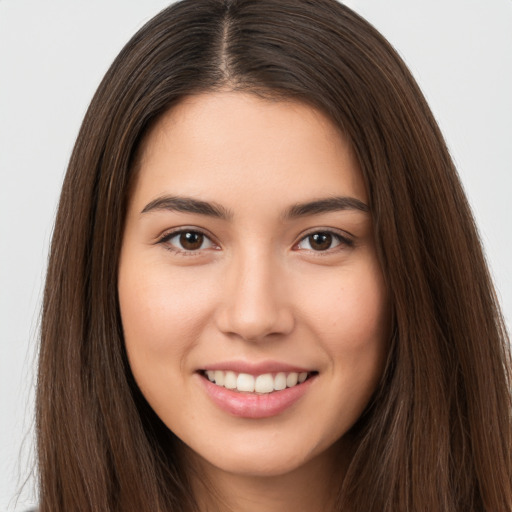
[265, 287]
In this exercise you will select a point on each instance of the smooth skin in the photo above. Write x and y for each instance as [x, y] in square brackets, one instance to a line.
[253, 280]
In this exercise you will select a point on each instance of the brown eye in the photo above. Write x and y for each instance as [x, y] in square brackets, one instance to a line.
[191, 240]
[187, 241]
[320, 241]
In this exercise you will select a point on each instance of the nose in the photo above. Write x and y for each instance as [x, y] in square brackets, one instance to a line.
[255, 306]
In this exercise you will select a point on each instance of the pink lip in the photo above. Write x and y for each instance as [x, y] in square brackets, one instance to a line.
[248, 405]
[255, 368]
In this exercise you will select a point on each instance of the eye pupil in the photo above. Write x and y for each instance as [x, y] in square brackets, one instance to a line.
[320, 241]
[191, 240]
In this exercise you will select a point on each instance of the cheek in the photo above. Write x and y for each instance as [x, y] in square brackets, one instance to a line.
[351, 312]
[162, 317]
[157, 307]
[350, 318]
[162, 314]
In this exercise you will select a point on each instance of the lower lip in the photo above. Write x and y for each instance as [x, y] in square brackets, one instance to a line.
[254, 406]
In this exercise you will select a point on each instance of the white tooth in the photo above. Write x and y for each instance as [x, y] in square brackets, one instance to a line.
[219, 377]
[280, 381]
[264, 383]
[245, 382]
[302, 377]
[211, 375]
[292, 379]
[230, 380]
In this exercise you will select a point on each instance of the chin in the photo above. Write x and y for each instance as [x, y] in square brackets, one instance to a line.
[269, 456]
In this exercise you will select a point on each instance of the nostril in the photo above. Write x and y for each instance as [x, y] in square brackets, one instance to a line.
[253, 325]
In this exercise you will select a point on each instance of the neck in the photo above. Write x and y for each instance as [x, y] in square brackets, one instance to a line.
[313, 487]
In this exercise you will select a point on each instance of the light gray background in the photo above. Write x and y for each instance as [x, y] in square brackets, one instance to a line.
[53, 54]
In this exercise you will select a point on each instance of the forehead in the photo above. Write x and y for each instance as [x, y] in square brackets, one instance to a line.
[238, 145]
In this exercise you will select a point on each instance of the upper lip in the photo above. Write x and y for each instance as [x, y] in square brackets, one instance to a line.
[258, 368]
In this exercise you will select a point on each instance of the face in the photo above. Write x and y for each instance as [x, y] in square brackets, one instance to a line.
[254, 310]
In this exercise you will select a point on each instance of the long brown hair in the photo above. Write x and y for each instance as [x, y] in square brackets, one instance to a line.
[437, 435]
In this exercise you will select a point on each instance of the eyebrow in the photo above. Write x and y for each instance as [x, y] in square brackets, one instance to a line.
[329, 204]
[211, 209]
[188, 205]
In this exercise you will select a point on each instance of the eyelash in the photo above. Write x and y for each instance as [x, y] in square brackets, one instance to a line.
[344, 241]
[166, 238]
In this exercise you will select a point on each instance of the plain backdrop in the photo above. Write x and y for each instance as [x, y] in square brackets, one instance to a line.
[53, 54]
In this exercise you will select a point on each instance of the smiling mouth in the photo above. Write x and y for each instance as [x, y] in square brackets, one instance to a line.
[258, 384]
